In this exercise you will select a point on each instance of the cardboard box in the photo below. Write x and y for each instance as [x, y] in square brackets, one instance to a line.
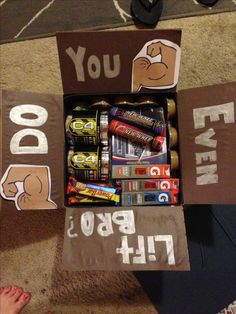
[33, 149]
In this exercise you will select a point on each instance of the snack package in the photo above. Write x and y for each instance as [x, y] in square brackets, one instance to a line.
[149, 198]
[92, 190]
[149, 185]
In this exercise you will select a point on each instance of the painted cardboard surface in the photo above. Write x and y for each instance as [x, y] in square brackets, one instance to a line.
[207, 133]
[126, 238]
[120, 61]
[32, 151]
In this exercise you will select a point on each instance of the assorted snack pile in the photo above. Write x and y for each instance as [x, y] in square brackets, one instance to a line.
[122, 154]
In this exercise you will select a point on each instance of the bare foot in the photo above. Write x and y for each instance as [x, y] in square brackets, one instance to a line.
[13, 299]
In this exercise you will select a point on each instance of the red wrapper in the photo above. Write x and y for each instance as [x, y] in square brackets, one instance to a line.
[135, 135]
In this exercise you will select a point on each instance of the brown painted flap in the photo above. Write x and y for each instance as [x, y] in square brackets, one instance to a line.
[207, 126]
[32, 151]
[115, 238]
[119, 61]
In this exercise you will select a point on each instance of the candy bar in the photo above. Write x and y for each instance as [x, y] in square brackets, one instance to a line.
[92, 190]
[78, 199]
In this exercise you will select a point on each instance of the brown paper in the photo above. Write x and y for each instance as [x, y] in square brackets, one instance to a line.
[207, 133]
[120, 61]
[33, 151]
[154, 237]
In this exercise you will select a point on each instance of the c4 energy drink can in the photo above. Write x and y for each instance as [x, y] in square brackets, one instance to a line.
[87, 127]
[89, 163]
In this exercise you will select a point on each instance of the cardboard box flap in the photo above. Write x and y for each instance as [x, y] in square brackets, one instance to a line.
[127, 238]
[119, 61]
[32, 151]
[207, 132]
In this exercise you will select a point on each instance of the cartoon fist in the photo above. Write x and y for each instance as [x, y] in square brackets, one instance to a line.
[154, 66]
[154, 49]
[29, 186]
[9, 189]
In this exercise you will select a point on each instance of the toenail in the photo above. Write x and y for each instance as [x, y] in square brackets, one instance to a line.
[26, 297]
[7, 288]
[18, 290]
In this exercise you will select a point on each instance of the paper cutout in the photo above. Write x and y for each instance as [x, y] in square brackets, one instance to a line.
[156, 66]
[29, 186]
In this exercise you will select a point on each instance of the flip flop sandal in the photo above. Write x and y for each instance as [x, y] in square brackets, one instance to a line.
[147, 11]
[208, 3]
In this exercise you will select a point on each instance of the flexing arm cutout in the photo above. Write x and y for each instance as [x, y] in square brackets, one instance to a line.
[148, 74]
[36, 187]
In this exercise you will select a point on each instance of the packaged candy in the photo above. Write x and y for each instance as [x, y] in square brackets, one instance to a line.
[92, 190]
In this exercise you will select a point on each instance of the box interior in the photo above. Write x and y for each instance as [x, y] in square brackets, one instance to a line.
[72, 100]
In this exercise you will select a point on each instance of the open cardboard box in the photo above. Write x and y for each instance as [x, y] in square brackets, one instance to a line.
[33, 152]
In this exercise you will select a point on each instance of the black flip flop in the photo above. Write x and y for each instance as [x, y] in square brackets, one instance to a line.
[147, 11]
[208, 3]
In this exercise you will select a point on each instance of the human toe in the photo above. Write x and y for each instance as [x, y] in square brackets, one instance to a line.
[17, 294]
[6, 289]
[23, 300]
[12, 291]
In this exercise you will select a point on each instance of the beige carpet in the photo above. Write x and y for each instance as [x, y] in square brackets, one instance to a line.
[31, 241]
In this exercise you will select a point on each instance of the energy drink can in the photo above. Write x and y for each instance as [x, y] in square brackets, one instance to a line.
[88, 127]
[90, 163]
[104, 164]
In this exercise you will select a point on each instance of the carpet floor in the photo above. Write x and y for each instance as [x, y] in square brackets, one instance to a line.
[44, 18]
[31, 242]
